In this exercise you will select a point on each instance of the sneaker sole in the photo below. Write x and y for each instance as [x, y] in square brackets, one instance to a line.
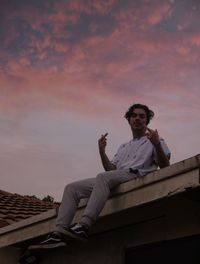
[69, 235]
[47, 246]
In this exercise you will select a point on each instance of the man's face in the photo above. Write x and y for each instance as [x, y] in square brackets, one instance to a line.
[138, 120]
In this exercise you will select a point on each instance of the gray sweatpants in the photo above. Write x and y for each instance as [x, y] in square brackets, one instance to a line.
[97, 189]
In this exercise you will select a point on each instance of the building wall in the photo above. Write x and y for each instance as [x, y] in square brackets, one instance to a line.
[9, 255]
[166, 219]
[161, 221]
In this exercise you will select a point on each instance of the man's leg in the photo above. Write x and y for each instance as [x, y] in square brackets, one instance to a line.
[72, 194]
[101, 192]
[98, 189]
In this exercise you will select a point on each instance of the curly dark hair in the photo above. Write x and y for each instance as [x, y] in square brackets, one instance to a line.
[149, 112]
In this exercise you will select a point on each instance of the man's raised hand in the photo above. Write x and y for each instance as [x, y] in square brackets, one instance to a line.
[102, 142]
[153, 136]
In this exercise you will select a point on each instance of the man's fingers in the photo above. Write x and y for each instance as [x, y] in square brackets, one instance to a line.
[150, 130]
[148, 135]
[104, 136]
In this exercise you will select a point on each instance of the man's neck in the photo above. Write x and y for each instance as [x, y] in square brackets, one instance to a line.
[138, 134]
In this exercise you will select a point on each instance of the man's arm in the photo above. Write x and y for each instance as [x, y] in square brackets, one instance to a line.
[163, 160]
[105, 160]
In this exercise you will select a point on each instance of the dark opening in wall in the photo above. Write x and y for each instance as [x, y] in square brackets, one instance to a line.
[179, 251]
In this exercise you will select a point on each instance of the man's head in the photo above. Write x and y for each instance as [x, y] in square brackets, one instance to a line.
[139, 113]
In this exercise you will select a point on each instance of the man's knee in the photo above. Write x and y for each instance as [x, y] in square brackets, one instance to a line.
[71, 187]
[103, 176]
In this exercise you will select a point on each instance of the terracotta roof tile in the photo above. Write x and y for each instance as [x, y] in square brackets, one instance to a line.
[15, 207]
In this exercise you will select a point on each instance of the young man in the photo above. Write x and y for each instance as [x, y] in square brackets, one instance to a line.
[144, 153]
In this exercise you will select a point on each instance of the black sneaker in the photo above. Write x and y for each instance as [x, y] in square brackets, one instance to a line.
[53, 240]
[80, 231]
[75, 231]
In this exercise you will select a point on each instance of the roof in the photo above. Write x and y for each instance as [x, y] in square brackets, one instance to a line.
[15, 207]
[129, 198]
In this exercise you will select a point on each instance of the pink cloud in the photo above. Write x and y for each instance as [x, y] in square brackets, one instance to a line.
[143, 16]
[195, 39]
[89, 7]
[76, 76]
[103, 7]
[141, 63]
[159, 12]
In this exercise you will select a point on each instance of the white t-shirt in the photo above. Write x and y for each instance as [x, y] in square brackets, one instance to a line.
[138, 154]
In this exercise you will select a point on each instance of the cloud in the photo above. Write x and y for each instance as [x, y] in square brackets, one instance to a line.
[138, 57]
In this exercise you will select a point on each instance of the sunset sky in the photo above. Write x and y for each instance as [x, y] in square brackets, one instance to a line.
[69, 70]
